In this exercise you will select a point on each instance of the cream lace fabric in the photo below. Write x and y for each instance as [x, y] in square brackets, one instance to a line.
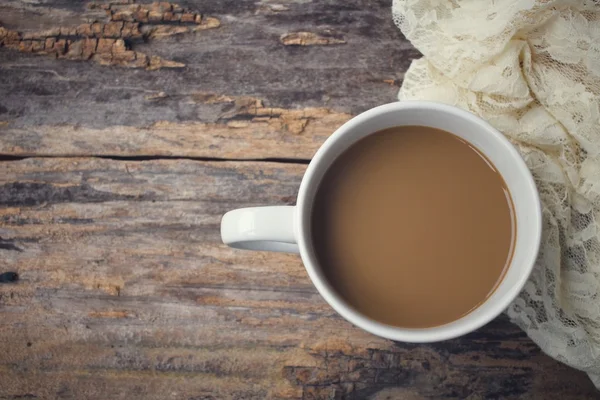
[532, 69]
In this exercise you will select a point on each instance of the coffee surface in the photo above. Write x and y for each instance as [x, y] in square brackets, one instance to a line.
[413, 227]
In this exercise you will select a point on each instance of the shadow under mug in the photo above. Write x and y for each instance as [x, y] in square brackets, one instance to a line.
[287, 228]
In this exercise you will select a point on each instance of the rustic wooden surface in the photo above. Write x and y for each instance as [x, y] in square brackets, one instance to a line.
[125, 135]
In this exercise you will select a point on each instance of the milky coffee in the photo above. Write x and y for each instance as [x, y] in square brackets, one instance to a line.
[413, 227]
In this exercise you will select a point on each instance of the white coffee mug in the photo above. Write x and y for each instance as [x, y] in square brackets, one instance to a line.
[287, 228]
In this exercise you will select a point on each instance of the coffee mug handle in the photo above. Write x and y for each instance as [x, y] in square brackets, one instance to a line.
[260, 228]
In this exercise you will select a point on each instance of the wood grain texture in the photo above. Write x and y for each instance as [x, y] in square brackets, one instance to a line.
[125, 291]
[108, 40]
[245, 129]
[65, 107]
[113, 280]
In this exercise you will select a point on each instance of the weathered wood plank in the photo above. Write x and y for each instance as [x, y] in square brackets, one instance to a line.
[106, 38]
[247, 131]
[207, 108]
[125, 291]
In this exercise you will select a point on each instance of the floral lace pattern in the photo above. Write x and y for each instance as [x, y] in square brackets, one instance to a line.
[532, 69]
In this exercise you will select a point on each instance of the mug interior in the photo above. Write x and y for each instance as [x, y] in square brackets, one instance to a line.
[486, 139]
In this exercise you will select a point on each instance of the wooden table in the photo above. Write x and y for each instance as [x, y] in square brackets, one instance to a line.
[126, 132]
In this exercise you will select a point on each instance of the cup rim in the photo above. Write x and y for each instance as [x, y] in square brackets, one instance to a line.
[414, 335]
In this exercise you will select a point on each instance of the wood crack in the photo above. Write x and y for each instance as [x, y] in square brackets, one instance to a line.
[141, 158]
